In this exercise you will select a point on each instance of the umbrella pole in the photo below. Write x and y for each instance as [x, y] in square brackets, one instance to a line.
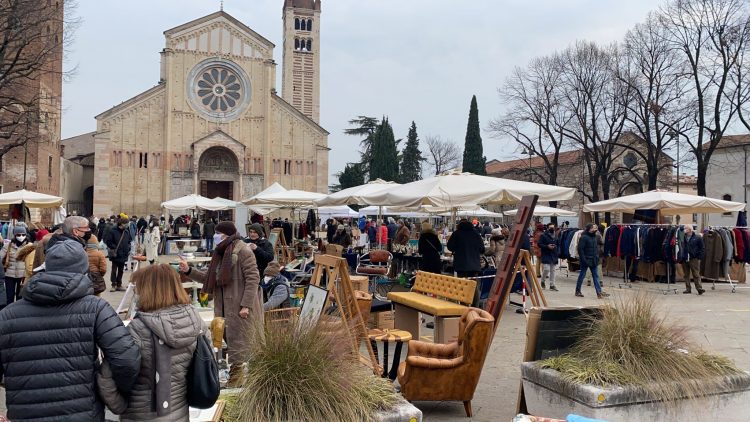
[377, 224]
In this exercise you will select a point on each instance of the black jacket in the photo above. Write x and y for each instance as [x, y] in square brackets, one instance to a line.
[264, 253]
[49, 344]
[549, 256]
[467, 247]
[430, 247]
[695, 247]
[588, 250]
[209, 229]
[113, 238]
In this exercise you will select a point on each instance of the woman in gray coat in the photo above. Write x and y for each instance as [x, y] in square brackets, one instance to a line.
[166, 329]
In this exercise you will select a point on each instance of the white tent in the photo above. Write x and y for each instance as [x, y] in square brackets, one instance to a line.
[669, 203]
[274, 188]
[287, 198]
[324, 213]
[30, 199]
[374, 210]
[465, 189]
[191, 202]
[542, 211]
[477, 212]
[353, 195]
[228, 202]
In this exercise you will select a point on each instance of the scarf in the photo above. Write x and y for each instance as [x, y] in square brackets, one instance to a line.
[220, 268]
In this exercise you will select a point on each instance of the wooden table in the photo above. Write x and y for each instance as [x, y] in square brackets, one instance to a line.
[389, 336]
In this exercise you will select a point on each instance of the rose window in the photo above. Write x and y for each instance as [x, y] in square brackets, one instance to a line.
[219, 89]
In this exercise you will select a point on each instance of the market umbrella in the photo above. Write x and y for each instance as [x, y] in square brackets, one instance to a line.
[669, 203]
[542, 211]
[455, 190]
[354, 195]
[30, 199]
[477, 212]
[337, 211]
[191, 202]
[228, 202]
[287, 199]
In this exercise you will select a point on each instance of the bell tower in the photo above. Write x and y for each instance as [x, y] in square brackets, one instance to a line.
[300, 84]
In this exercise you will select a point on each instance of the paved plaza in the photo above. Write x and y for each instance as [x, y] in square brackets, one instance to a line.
[717, 320]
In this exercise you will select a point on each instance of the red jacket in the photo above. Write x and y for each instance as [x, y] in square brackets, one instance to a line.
[383, 235]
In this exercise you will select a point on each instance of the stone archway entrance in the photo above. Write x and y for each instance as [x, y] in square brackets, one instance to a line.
[218, 172]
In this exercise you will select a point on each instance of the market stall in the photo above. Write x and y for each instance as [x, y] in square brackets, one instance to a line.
[26, 199]
[542, 211]
[180, 242]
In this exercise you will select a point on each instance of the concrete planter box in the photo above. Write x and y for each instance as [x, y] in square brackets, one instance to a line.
[547, 394]
[402, 412]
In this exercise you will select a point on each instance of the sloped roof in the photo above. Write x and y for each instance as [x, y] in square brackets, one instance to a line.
[564, 158]
[730, 141]
[294, 110]
[78, 146]
[226, 16]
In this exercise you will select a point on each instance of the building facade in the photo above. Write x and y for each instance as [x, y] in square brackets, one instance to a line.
[727, 175]
[628, 175]
[214, 124]
[35, 165]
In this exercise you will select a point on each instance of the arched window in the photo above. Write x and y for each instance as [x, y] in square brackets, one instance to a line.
[296, 44]
[302, 25]
[296, 23]
[309, 45]
[309, 24]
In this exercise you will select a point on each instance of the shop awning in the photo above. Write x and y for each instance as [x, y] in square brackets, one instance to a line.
[668, 203]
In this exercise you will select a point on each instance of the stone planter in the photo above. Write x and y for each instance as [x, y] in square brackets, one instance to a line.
[402, 412]
[548, 394]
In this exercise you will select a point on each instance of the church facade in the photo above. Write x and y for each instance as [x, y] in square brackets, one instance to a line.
[214, 124]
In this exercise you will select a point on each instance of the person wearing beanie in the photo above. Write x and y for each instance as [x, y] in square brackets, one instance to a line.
[15, 266]
[60, 325]
[342, 237]
[430, 248]
[97, 265]
[233, 278]
[276, 288]
[263, 249]
[118, 241]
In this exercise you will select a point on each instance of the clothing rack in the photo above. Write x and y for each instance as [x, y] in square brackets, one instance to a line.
[728, 279]
[626, 282]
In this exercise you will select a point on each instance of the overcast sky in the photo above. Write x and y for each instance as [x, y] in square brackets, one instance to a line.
[418, 60]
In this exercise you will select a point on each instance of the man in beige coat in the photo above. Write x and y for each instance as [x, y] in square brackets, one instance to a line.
[233, 278]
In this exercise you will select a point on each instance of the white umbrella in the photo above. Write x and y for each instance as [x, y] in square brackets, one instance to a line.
[274, 188]
[465, 189]
[478, 212]
[353, 195]
[191, 202]
[542, 211]
[375, 210]
[228, 202]
[337, 211]
[30, 199]
[287, 198]
[668, 203]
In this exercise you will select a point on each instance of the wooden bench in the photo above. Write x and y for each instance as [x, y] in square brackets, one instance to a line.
[442, 296]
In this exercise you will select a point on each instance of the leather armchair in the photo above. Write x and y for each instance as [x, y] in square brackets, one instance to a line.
[448, 372]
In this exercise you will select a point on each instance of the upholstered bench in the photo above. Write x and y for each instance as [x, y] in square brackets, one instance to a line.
[442, 296]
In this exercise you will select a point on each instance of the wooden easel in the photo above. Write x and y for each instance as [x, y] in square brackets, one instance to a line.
[525, 267]
[340, 289]
[283, 253]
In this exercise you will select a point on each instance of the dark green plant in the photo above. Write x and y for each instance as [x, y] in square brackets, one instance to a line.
[352, 175]
[474, 159]
[411, 161]
[384, 162]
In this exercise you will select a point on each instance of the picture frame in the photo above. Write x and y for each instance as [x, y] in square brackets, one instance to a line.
[312, 307]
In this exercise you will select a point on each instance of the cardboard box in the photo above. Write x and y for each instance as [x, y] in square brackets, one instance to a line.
[446, 329]
[382, 320]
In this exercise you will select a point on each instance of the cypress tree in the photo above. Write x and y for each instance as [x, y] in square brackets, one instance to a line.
[411, 162]
[351, 176]
[474, 159]
[384, 159]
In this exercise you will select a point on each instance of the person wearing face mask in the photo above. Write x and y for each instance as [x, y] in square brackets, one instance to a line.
[550, 254]
[118, 250]
[588, 253]
[233, 278]
[263, 249]
[15, 268]
[275, 288]
[73, 228]
[151, 241]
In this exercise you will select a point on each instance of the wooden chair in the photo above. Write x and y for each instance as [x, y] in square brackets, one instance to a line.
[448, 372]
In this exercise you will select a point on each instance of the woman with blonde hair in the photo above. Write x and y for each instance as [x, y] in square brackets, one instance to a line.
[166, 328]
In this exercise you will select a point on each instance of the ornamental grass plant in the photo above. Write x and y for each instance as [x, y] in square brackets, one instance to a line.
[299, 372]
[631, 344]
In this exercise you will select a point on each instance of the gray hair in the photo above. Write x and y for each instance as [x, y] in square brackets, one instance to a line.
[73, 222]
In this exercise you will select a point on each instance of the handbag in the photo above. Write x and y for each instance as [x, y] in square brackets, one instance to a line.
[203, 376]
[112, 253]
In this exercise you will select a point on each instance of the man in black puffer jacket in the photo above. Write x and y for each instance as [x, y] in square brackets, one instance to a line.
[49, 343]
[588, 255]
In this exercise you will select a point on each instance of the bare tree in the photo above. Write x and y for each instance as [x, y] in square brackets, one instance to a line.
[443, 155]
[712, 36]
[31, 54]
[656, 110]
[536, 115]
[597, 101]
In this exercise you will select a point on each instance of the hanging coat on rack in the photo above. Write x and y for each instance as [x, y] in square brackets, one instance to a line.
[711, 263]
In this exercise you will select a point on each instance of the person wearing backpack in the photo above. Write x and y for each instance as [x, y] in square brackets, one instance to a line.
[166, 329]
[118, 251]
[275, 288]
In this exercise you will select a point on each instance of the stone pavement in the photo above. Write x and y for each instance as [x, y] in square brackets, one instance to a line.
[718, 321]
